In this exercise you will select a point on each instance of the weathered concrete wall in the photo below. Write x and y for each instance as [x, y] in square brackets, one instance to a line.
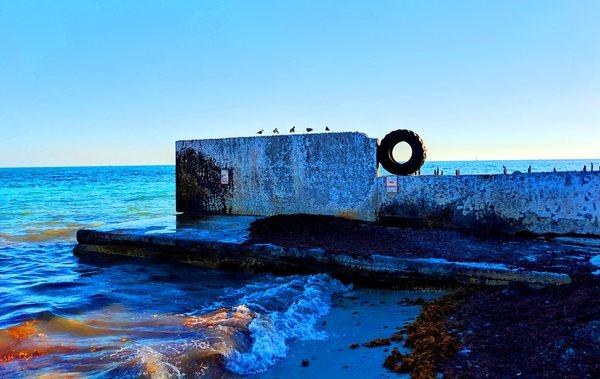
[329, 174]
[336, 174]
[562, 202]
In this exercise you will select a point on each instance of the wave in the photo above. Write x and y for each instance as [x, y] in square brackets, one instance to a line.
[298, 302]
[246, 338]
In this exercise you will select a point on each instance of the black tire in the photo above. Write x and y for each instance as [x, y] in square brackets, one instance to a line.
[417, 158]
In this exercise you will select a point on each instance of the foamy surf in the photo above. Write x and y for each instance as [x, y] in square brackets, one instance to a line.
[286, 308]
[245, 332]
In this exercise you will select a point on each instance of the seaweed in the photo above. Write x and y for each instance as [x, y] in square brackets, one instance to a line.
[429, 339]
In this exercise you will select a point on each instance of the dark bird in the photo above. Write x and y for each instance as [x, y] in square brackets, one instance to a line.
[260, 131]
[293, 129]
[529, 169]
[326, 128]
[504, 170]
[309, 129]
[275, 131]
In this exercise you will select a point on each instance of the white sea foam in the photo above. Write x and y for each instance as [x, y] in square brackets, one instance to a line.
[287, 308]
[153, 363]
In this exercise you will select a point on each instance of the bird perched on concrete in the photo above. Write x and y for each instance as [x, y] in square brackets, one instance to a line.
[275, 131]
[326, 128]
[309, 129]
[260, 131]
[293, 129]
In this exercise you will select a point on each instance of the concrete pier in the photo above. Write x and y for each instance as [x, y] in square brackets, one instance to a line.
[337, 174]
[226, 185]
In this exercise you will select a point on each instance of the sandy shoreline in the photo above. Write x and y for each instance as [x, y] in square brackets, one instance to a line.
[365, 315]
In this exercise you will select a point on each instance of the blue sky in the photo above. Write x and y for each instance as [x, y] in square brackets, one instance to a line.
[117, 82]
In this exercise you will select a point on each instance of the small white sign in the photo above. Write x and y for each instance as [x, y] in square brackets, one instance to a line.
[224, 176]
[391, 184]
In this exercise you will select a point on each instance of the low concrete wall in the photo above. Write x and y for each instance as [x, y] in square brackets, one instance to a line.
[329, 174]
[561, 202]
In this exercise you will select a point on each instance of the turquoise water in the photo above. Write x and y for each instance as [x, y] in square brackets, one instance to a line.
[107, 317]
[64, 315]
[496, 167]
[51, 203]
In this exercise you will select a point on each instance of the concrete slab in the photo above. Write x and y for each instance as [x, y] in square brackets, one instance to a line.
[215, 228]
[224, 242]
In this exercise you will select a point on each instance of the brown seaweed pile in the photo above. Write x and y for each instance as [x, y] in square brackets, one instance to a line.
[429, 339]
[341, 236]
[523, 332]
[512, 331]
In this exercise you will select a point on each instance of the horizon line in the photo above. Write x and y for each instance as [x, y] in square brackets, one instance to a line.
[172, 164]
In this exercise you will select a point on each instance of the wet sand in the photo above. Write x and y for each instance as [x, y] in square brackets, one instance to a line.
[362, 316]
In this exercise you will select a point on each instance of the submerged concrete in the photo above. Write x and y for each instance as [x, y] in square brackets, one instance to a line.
[223, 242]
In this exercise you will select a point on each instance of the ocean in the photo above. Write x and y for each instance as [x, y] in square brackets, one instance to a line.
[496, 167]
[106, 317]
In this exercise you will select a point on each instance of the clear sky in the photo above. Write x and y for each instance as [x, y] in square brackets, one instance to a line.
[117, 82]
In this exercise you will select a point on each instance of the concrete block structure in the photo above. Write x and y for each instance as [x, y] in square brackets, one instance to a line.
[328, 174]
[336, 174]
[224, 186]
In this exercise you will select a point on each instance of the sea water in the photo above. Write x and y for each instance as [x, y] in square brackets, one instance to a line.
[64, 315]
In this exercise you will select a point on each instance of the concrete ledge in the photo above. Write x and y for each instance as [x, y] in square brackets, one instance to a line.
[233, 253]
[277, 259]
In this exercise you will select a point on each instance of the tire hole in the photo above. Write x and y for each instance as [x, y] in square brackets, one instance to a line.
[402, 152]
